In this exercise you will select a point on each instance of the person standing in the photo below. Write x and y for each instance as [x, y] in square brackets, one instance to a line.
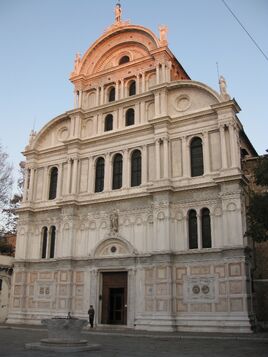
[91, 313]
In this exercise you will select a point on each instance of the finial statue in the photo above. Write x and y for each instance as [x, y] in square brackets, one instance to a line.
[223, 88]
[163, 30]
[118, 13]
[32, 136]
[77, 62]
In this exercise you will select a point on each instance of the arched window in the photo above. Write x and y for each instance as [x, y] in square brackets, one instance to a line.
[136, 168]
[52, 241]
[130, 116]
[197, 167]
[44, 243]
[117, 171]
[123, 60]
[206, 228]
[53, 183]
[111, 96]
[132, 88]
[192, 229]
[99, 178]
[108, 125]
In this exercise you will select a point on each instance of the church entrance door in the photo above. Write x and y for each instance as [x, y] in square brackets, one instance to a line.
[114, 298]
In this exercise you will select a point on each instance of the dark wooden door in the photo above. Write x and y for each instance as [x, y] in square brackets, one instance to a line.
[114, 298]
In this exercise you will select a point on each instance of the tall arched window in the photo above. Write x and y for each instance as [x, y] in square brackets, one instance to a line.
[123, 60]
[197, 167]
[99, 178]
[53, 183]
[44, 243]
[117, 171]
[136, 168]
[192, 229]
[108, 125]
[132, 88]
[130, 116]
[206, 228]
[111, 96]
[52, 241]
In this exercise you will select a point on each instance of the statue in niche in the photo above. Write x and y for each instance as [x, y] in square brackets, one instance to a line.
[114, 222]
[77, 62]
[163, 30]
[118, 13]
[223, 88]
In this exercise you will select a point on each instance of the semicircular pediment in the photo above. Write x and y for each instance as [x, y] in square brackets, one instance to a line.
[113, 247]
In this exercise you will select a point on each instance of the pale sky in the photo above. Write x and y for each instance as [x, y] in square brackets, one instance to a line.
[39, 39]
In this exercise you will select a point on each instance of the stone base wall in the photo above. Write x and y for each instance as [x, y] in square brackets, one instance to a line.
[208, 291]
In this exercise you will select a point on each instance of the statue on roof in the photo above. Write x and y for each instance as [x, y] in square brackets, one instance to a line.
[163, 30]
[77, 62]
[118, 13]
[223, 88]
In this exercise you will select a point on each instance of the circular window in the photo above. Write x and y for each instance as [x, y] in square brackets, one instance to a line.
[182, 103]
[205, 289]
[196, 289]
[113, 249]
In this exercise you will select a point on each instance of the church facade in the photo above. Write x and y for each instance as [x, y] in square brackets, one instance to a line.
[134, 201]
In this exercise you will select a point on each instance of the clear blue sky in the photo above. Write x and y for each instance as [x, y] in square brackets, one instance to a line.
[39, 39]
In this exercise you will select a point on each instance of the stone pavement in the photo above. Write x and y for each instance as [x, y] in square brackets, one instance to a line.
[130, 343]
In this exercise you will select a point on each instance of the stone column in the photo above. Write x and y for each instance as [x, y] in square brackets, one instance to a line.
[144, 163]
[116, 90]
[138, 84]
[157, 74]
[31, 186]
[199, 230]
[107, 173]
[137, 113]
[143, 87]
[69, 173]
[25, 185]
[90, 176]
[142, 112]
[157, 104]
[185, 157]
[168, 70]
[102, 95]
[233, 144]
[206, 153]
[80, 99]
[223, 147]
[74, 176]
[122, 89]
[166, 158]
[97, 96]
[157, 159]
[121, 123]
[125, 181]
[163, 74]
[59, 186]
[75, 99]
[95, 125]
[163, 102]
[45, 184]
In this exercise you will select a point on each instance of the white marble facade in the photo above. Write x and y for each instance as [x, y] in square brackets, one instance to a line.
[171, 286]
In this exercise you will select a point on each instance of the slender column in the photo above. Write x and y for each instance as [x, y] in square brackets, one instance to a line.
[143, 82]
[59, 185]
[31, 188]
[157, 159]
[138, 84]
[166, 157]
[122, 89]
[75, 99]
[233, 145]
[199, 231]
[157, 104]
[95, 124]
[185, 158]
[137, 113]
[164, 102]
[107, 173]
[116, 90]
[143, 116]
[97, 96]
[126, 169]
[90, 176]
[102, 95]
[144, 164]
[77, 126]
[69, 173]
[206, 153]
[168, 70]
[163, 65]
[45, 184]
[223, 147]
[74, 176]
[80, 99]
[120, 118]
[157, 74]
[25, 185]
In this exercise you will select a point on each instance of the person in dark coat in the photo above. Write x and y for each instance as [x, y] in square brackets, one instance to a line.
[91, 313]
